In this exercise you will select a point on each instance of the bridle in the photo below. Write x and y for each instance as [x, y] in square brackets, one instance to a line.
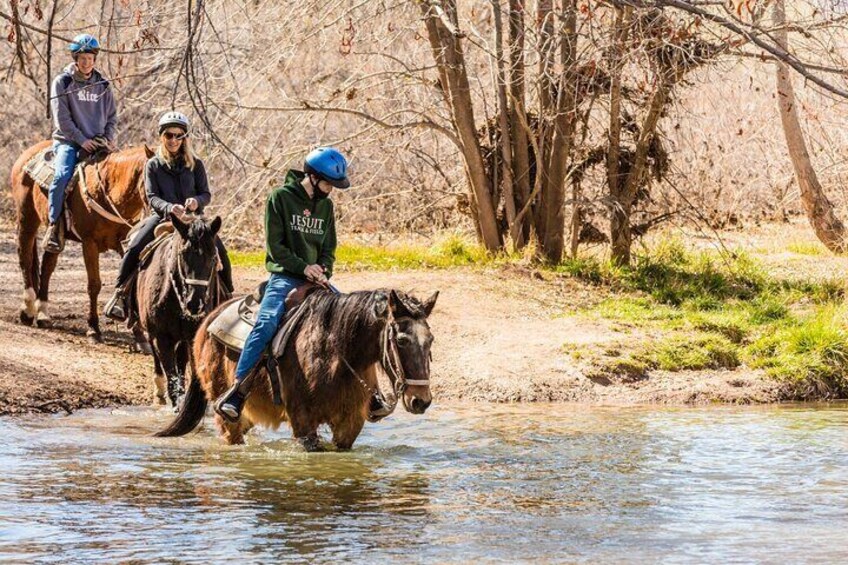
[391, 363]
[390, 359]
[182, 290]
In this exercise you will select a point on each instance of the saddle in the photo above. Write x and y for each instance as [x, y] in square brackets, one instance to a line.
[41, 167]
[233, 324]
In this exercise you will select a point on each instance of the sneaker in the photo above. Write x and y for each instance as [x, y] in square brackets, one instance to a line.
[116, 308]
[52, 241]
[229, 404]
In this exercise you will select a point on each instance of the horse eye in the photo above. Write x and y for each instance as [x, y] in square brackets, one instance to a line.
[403, 339]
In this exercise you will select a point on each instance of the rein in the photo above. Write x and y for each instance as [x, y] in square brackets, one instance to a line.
[113, 216]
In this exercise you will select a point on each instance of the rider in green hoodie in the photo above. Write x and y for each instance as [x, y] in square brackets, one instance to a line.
[300, 245]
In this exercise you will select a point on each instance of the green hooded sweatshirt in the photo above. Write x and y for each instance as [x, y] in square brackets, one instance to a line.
[299, 231]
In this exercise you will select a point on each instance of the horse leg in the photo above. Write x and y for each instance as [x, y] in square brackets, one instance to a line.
[346, 431]
[142, 344]
[91, 257]
[305, 431]
[28, 261]
[48, 265]
[158, 381]
[165, 350]
[233, 432]
[182, 353]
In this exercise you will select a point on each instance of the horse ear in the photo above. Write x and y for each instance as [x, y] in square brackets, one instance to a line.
[215, 225]
[148, 151]
[430, 303]
[397, 306]
[381, 305]
[181, 228]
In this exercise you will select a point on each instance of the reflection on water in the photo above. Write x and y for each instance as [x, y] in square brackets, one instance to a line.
[464, 482]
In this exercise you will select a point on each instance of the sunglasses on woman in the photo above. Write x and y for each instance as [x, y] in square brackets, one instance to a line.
[169, 135]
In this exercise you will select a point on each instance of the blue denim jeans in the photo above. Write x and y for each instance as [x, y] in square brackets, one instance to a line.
[64, 161]
[271, 311]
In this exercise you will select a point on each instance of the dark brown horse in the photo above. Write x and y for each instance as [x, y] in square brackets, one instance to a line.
[113, 185]
[174, 291]
[328, 368]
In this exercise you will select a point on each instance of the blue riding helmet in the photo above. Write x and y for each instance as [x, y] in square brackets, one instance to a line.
[84, 43]
[329, 164]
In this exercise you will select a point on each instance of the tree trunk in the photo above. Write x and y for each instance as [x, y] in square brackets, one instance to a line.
[576, 218]
[520, 144]
[505, 140]
[444, 36]
[620, 213]
[547, 56]
[828, 228]
[553, 239]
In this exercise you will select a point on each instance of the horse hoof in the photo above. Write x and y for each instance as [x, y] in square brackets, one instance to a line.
[144, 348]
[159, 400]
[179, 403]
[43, 323]
[25, 319]
[94, 337]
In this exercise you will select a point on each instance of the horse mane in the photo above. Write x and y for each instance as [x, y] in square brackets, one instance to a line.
[342, 316]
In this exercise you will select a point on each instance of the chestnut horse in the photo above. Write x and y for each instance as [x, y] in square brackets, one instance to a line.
[328, 367]
[115, 185]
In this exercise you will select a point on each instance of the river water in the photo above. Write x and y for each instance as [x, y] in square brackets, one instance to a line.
[463, 483]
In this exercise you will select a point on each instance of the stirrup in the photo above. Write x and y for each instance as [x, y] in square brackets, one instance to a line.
[378, 407]
[224, 406]
[52, 242]
[116, 308]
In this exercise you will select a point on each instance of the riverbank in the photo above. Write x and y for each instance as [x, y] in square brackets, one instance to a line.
[507, 331]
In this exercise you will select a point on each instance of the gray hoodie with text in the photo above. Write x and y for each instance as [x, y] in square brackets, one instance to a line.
[82, 109]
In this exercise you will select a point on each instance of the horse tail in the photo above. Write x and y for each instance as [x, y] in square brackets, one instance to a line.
[192, 410]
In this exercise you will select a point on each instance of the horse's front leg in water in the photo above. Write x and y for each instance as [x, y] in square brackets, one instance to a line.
[183, 351]
[165, 350]
[346, 431]
[158, 381]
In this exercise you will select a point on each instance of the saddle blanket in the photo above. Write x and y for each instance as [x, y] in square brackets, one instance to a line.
[40, 169]
[232, 326]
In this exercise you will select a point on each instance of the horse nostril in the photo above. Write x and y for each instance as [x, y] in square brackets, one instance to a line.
[419, 405]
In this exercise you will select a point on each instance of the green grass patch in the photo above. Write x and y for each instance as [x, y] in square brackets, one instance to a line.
[637, 310]
[450, 251]
[717, 311]
[691, 352]
[810, 354]
[813, 248]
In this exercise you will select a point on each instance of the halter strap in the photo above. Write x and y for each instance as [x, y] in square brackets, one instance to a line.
[183, 300]
[391, 361]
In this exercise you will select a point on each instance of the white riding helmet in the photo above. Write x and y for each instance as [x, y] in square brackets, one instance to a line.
[173, 119]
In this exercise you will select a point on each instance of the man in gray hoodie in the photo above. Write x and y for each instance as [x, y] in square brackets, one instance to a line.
[83, 110]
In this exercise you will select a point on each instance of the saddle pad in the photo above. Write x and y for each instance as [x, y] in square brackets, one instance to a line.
[234, 323]
[40, 167]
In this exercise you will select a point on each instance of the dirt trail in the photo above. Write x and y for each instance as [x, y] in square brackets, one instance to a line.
[499, 337]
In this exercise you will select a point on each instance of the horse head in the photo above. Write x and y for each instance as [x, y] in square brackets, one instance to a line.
[195, 263]
[406, 343]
